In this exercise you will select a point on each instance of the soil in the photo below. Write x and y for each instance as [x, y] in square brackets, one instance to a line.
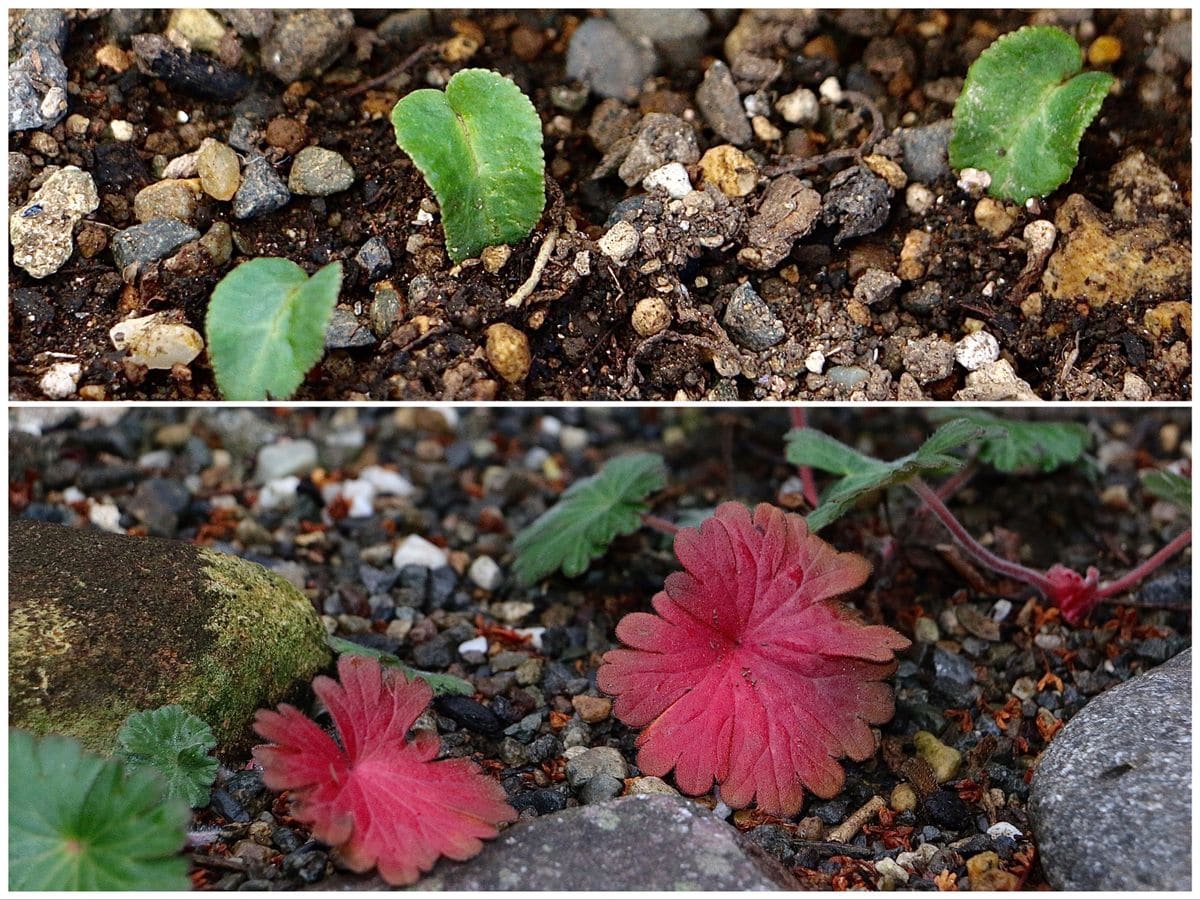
[582, 343]
[482, 476]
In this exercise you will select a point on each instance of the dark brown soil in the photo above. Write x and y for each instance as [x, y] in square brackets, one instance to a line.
[582, 342]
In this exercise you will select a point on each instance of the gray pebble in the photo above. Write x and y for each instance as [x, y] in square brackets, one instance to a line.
[678, 34]
[875, 286]
[374, 258]
[37, 78]
[346, 332]
[601, 788]
[262, 190]
[858, 202]
[404, 28]
[305, 42]
[718, 101]
[606, 59]
[154, 240]
[750, 321]
[925, 151]
[317, 172]
[662, 138]
[596, 761]
[924, 299]
[285, 458]
[847, 377]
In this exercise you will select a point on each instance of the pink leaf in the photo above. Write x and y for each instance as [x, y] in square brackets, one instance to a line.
[378, 796]
[749, 675]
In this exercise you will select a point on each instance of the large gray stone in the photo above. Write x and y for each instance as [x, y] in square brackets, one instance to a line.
[641, 843]
[1111, 798]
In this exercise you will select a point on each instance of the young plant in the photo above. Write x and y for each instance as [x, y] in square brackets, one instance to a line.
[588, 517]
[77, 823]
[266, 326]
[378, 796]
[175, 744]
[1023, 110]
[479, 146]
[438, 682]
[1012, 445]
[749, 674]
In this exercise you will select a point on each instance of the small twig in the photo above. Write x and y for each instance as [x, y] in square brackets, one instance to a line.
[535, 275]
[848, 829]
[390, 73]
[658, 524]
[862, 103]
[800, 420]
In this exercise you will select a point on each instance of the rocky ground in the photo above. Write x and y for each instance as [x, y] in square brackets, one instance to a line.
[397, 526]
[752, 205]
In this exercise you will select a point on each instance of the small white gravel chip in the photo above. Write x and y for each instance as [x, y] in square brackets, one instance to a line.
[918, 198]
[280, 492]
[974, 181]
[815, 362]
[61, 380]
[157, 342]
[106, 517]
[474, 645]
[359, 494]
[673, 178]
[121, 130]
[976, 350]
[385, 481]
[414, 550]
[888, 867]
[485, 573]
[1004, 829]
[620, 242]
[800, 107]
[831, 89]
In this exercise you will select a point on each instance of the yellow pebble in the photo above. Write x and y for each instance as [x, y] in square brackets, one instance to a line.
[1105, 50]
[942, 759]
[903, 797]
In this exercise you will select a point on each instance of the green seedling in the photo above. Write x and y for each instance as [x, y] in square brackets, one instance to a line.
[266, 326]
[175, 744]
[440, 683]
[479, 146]
[1176, 489]
[1023, 110]
[1012, 445]
[77, 823]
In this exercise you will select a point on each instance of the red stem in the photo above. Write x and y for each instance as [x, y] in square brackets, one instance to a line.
[1133, 576]
[800, 420]
[660, 525]
[973, 547]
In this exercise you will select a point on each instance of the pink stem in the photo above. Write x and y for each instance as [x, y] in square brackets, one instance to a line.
[800, 420]
[1133, 576]
[973, 547]
[661, 525]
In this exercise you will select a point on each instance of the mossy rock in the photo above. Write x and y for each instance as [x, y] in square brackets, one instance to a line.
[103, 625]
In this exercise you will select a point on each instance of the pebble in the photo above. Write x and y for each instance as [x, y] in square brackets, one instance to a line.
[346, 332]
[976, 350]
[600, 789]
[157, 341]
[718, 101]
[485, 573]
[995, 381]
[150, 241]
[858, 201]
[279, 493]
[677, 34]
[414, 550]
[1104, 51]
[317, 172]
[903, 797]
[928, 359]
[508, 352]
[61, 380]
[608, 61]
[888, 170]
[305, 42]
[974, 181]
[800, 107]
[37, 77]
[41, 230]
[287, 134]
[731, 170]
[875, 286]
[889, 868]
[592, 709]
[848, 377]
[672, 178]
[750, 321]
[661, 138]
[788, 211]
[994, 217]
[918, 198]
[596, 761]
[218, 243]
[831, 89]
[651, 315]
[168, 199]
[926, 150]
[217, 166]
[201, 28]
[917, 247]
[193, 73]
[387, 481]
[944, 761]
[650, 784]
[295, 457]
[262, 190]
[620, 242]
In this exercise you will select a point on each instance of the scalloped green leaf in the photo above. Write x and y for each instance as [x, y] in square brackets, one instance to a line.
[1014, 445]
[588, 517]
[1170, 486]
[266, 326]
[863, 475]
[77, 823]
[479, 146]
[175, 744]
[441, 683]
[1023, 110]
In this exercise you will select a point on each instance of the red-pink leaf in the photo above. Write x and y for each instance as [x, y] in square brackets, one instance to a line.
[749, 675]
[378, 796]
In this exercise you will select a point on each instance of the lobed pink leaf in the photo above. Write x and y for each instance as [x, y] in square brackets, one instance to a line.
[747, 674]
[379, 796]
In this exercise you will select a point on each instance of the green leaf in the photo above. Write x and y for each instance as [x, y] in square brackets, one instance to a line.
[588, 517]
[266, 326]
[1169, 486]
[1023, 111]
[479, 146]
[175, 744]
[1013, 445]
[863, 475]
[77, 823]
[441, 684]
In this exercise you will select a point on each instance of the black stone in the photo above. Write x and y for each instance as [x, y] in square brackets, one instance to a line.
[191, 73]
[469, 714]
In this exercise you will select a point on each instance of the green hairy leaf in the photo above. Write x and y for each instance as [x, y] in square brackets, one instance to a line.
[1018, 446]
[175, 744]
[1023, 111]
[77, 823]
[479, 146]
[1169, 486]
[441, 684]
[588, 517]
[863, 475]
[266, 326]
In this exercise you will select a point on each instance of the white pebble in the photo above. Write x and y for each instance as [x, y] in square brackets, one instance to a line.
[815, 362]
[889, 868]
[573, 438]
[1040, 236]
[72, 495]
[918, 198]
[800, 107]
[121, 130]
[385, 481]
[106, 516]
[976, 350]
[1000, 610]
[673, 178]
[550, 426]
[485, 573]
[359, 494]
[620, 242]
[474, 645]
[156, 342]
[831, 89]
[414, 550]
[278, 493]
[1004, 829]
[534, 634]
[974, 181]
[155, 459]
[61, 380]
